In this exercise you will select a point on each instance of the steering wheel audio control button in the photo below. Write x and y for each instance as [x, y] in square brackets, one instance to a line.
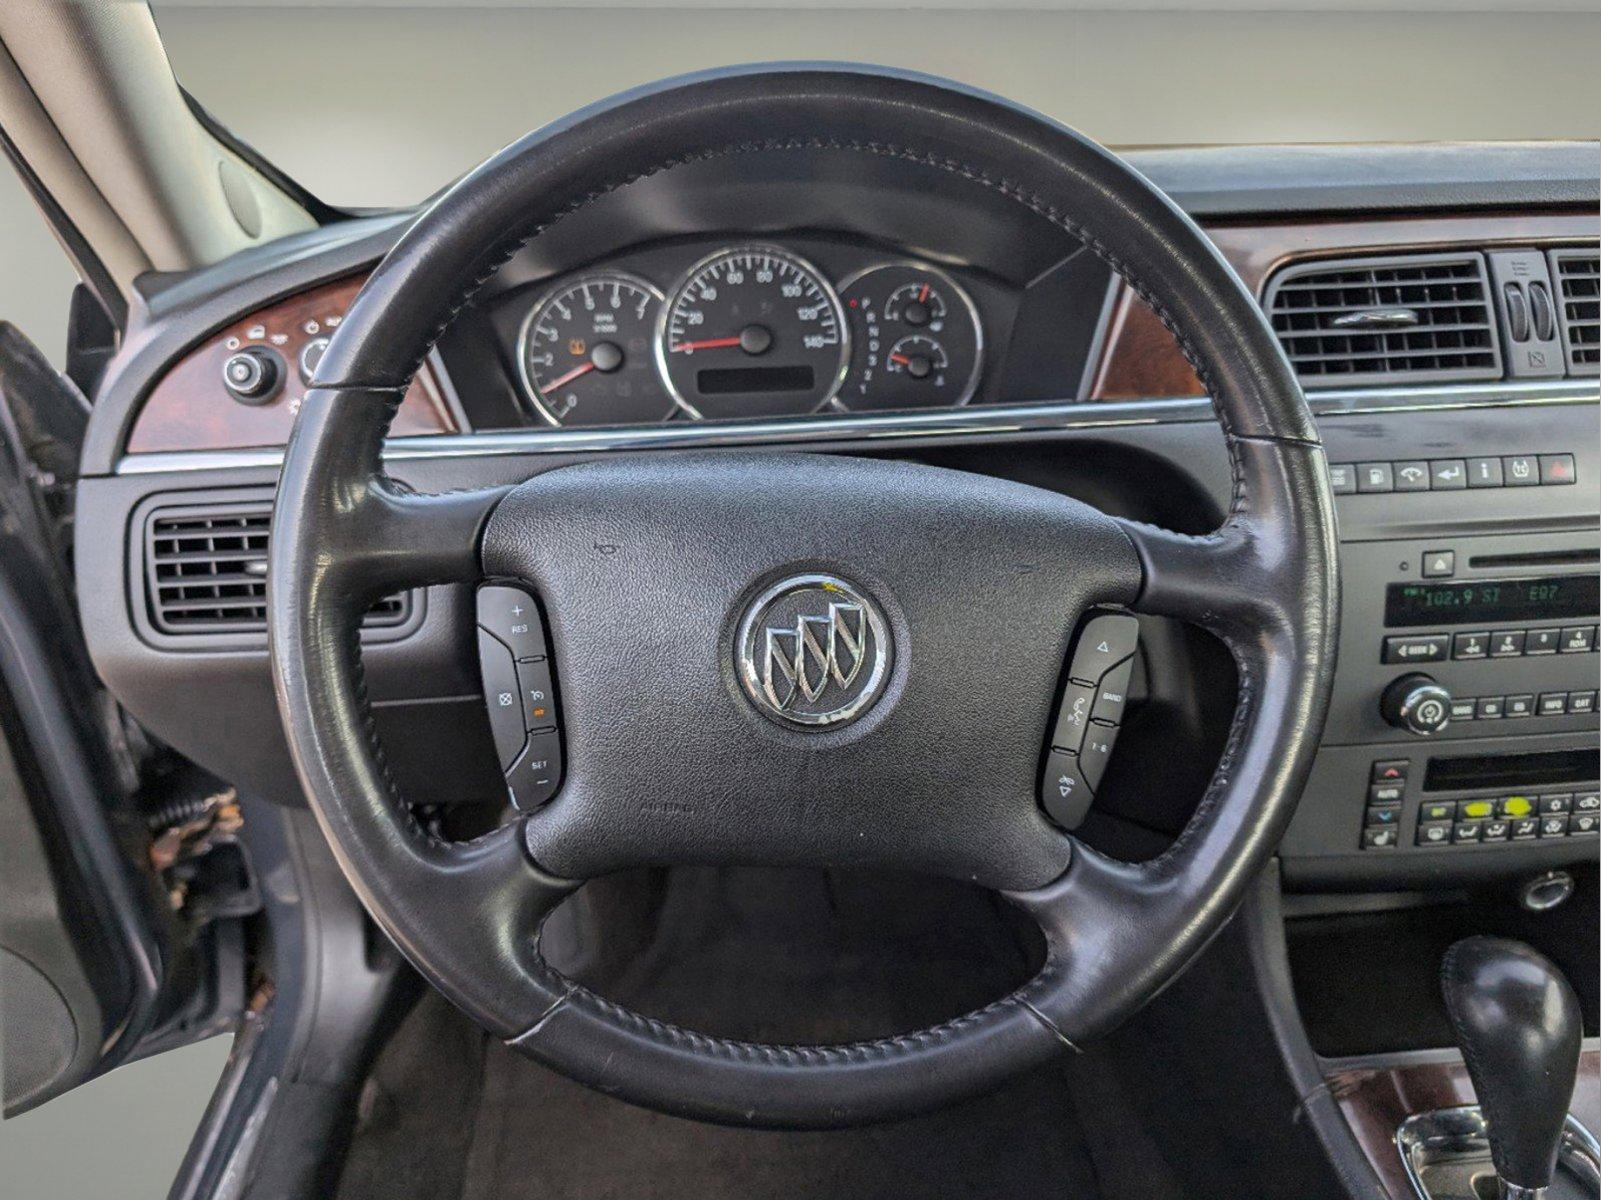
[1097, 752]
[1112, 696]
[1073, 718]
[512, 616]
[1064, 792]
[533, 778]
[1106, 641]
[501, 689]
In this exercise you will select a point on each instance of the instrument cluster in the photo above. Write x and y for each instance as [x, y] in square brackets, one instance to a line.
[747, 331]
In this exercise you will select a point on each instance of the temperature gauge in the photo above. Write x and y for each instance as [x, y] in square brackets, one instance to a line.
[916, 341]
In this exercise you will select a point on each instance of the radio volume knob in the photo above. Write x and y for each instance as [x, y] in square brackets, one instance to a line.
[1416, 704]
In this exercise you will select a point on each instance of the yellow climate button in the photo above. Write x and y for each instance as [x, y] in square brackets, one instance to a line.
[1477, 810]
[1516, 806]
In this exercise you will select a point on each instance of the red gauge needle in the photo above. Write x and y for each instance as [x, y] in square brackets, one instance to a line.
[709, 344]
[922, 296]
[576, 373]
[900, 358]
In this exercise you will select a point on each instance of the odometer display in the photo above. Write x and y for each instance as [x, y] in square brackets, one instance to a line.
[752, 332]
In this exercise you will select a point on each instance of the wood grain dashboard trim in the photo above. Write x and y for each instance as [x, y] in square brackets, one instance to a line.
[1376, 1100]
[189, 409]
[1140, 359]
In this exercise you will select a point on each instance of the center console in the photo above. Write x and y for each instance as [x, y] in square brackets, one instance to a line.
[1462, 734]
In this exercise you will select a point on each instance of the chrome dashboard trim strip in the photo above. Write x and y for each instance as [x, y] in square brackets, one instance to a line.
[959, 422]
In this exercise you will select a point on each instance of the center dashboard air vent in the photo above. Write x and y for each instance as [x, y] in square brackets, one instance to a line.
[1576, 273]
[206, 571]
[1413, 318]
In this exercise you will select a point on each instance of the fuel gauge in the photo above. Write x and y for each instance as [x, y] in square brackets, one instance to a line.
[916, 341]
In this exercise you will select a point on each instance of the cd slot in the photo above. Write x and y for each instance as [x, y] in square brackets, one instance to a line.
[1535, 558]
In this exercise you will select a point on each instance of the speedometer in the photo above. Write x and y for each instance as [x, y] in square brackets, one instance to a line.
[753, 332]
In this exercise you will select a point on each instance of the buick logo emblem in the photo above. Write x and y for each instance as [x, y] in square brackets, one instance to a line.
[813, 651]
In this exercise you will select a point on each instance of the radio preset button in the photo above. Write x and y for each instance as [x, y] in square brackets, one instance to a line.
[1506, 643]
[1542, 641]
[1578, 639]
[1470, 646]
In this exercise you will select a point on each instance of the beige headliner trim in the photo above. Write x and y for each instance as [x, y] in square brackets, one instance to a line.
[89, 99]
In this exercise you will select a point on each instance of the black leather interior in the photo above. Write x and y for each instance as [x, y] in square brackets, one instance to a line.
[942, 551]
[1517, 1021]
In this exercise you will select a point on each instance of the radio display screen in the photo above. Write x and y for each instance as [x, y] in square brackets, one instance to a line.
[1483, 601]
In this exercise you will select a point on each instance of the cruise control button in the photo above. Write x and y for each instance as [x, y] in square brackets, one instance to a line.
[538, 693]
[499, 676]
[533, 778]
[512, 616]
[1431, 647]
[1064, 794]
[1470, 645]
[1578, 639]
[1106, 641]
[1112, 696]
[1078, 699]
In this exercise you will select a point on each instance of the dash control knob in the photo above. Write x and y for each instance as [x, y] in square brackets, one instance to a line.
[1416, 704]
[253, 375]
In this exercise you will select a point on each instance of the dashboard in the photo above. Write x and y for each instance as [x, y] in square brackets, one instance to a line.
[800, 305]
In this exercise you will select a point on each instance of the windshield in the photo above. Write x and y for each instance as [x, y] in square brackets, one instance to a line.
[368, 105]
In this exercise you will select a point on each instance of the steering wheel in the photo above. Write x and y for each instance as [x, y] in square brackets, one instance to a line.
[972, 586]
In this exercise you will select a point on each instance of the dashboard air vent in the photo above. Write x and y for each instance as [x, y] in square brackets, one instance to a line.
[206, 571]
[1416, 318]
[1577, 275]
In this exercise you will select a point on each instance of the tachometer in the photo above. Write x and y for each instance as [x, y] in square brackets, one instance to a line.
[916, 341]
[752, 332]
[585, 354]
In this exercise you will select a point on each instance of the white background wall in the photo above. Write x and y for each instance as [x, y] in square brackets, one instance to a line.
[384, 107]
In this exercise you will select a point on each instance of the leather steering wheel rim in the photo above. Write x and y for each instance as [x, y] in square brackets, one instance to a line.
[468, 915]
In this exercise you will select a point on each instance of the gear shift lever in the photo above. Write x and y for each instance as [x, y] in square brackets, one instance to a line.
[1517, 1021]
